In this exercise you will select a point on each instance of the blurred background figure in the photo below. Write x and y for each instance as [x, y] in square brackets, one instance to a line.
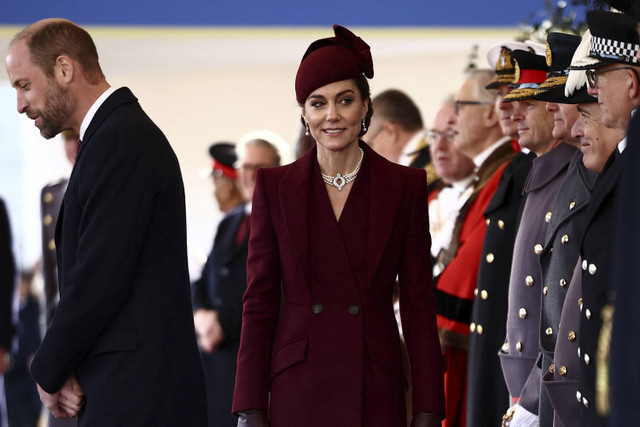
[397, 132]
[217, 295]
[7, 285]
[23, 403]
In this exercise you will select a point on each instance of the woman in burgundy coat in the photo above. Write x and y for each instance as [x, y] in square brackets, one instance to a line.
[329, 235]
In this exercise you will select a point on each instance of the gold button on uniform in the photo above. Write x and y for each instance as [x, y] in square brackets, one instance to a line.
[547, 217]
[587, 314]
[564, 239]
[52, 245]
[472, 327]
[519, 346]
[484, 294]
[528, 280]
[505, 347]
[587, 359]
[545, 290]
[563, 371]
[522, 313]
[563, 283]
[475, 292]
[572, 336]
[501, 224]
[488, 221]
[572, 205]
[592, 269]
[580, 303]
[490, 258]
[585, 264]
[47, 220]
[549, 331]
[479, 329]
[537, 249]
[552, 368]
[48, 197]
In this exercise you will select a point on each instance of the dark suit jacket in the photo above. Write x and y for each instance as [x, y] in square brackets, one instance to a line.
[7, 279]
[220, 288]
[124, 323]
[296, 350]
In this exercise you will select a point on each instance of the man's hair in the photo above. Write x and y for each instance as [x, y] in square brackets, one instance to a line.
[259, 142]
[396, 106]
[482, 77]
[50, 38]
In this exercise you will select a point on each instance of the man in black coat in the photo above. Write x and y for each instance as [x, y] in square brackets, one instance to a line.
[121, 348]
[7, 285]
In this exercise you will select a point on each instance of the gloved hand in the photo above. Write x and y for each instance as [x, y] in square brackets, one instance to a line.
[426, 419]
[252, 418]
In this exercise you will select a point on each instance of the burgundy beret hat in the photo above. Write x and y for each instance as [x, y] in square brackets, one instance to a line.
[333, 59]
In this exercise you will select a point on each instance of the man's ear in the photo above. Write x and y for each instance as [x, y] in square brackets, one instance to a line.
[64, 69]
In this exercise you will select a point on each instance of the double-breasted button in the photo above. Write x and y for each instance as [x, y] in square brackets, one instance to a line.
[572, 336]
[501, 224]
[472, 327]
[488, 221]
[585, 264]
[592, 269]
[585, 402]
[562, 371]
[484, 294]
[475, 292]
[51, 245]
[47, 220]
[552, 368]
[48, 197]
[564, 239]
[537, 249]
[549, 331]
[587, 359]
[587, 314]
[580, 304]
[563, 283]
[547, 217]
[579, 396]
[354, 309]
[572, 205]
[490, 258]
[519, 346]
[479, 329]
[317, 308]
[545, 290]
[522, 313]
[528, 280]
[505, 347]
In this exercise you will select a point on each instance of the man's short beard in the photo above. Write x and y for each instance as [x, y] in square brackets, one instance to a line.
[55, 111]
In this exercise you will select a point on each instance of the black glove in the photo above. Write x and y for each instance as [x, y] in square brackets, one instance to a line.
[252, 418]
[426, 419]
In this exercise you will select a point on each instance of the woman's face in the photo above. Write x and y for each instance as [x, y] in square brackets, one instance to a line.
[334, 113]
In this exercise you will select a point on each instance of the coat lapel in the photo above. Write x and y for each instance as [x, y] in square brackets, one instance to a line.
[386, 194]
[294, 190]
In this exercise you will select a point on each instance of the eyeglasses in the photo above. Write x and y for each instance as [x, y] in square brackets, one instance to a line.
[434, 136]
[592, 75]
[457, 104]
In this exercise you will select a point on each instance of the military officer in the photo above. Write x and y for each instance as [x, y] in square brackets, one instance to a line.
[489, 313]
[613, 75]
[566, 219]
[520, 352]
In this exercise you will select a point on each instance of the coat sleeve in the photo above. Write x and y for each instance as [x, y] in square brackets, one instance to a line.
[418, 309]
[114, 199]
[261, 305]
[7, 279]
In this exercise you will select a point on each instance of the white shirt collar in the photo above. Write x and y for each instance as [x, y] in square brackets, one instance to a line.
[92, 111]
[410, 149]
[480, 158]
[622, 144]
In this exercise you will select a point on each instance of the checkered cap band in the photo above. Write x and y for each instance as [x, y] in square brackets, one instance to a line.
[614, 50]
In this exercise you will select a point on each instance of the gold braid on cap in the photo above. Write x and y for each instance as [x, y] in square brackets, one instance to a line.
[516, 76]
[548, 55]
[504, 61]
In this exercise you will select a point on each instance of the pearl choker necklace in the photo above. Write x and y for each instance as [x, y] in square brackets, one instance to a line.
[339, 181]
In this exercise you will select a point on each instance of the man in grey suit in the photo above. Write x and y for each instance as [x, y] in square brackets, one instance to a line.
[121, 349]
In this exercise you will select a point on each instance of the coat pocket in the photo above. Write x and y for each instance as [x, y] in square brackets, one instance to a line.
[117, 339]
[288, 355]
[390, 358]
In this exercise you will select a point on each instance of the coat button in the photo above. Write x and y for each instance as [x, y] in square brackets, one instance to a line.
[522, 313]
[479, 329]
[572, 336]
[564, 239]
[563, 371]
[592, 269]
[472, 327]
[519, 346]
[47, 220]
[528, 280]
[549, 331]
[484, 294]
[587, 314]
[48, 197]
[490, 258]
[545, 290]
[547, 217]
[537, 249]
[563, 283]
[501, 224]
[51, 245]
[579, 396]
[580, 304]
[587, 359]
[475, 292]
[354, 309]
[585, 264]
[488, 221]
[317, 308]
[572, 205]
[552, 368]
[505, 347]
[585, 402]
